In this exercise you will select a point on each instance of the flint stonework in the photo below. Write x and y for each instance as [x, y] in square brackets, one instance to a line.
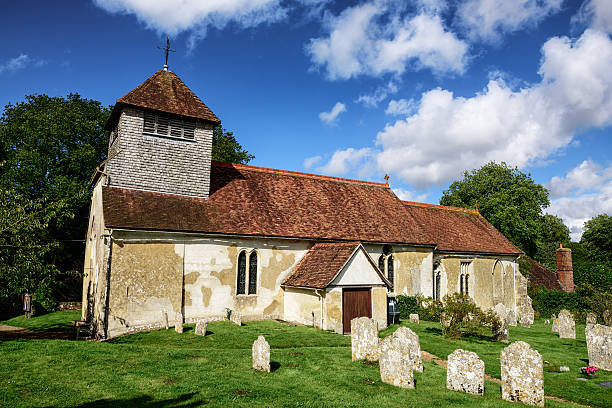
[200, 328]
[465, 372]
[261, 354]
[395, 364]
[599, 345]
[414, 318]
[364, 339]
[522, 374]
[178, 325]
[566, 325]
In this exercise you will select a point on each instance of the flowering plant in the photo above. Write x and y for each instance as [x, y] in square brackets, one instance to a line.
[589, 370]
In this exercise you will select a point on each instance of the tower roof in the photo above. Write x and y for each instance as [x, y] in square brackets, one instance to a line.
[164, 91]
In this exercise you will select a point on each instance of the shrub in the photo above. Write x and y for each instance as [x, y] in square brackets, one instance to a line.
[407, 305]
[547, 302]
[462, 317]
[427, 308]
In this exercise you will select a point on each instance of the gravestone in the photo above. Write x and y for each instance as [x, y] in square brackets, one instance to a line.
[411, 346]
[566, 325]
[200, 328]
[527, 317]
[444, 320]
[395, 364]
[235, 317]
[512, 321]
[414, 318]
[178, 325]
[165, 320]
[364, 339]
[599, 345]
[261, 354]
[465, 372]
[547, 322]
[591, 318]
[501, 333]
[555, 326]
[607, 316]
[522, 374]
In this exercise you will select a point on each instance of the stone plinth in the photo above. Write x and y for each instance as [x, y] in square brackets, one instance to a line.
[414, 318]
[395, 365]
[200, 328]
[522, 374]
[364, 339]
[566, 325]
[178, 325]
[465, 372]
[599, 345]
[261, 354]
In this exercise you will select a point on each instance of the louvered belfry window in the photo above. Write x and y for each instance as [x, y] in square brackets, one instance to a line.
[241, 273]
[161, 124]
[253, 273]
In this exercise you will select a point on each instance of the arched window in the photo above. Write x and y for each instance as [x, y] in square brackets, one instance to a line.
[241, 273]
[437, 287]
[381, 264]
[390, 274]
[253, 273]
[467, 287]
[461, 284]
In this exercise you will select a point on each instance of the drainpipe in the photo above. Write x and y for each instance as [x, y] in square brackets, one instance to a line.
[321, 307]
[108, 273]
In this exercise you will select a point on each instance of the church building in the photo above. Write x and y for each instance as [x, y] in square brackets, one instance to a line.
[171, 231]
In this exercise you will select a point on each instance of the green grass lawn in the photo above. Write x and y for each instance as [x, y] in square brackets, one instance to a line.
[311, 368]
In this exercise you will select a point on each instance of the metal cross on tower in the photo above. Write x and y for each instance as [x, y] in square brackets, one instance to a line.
[167, 50]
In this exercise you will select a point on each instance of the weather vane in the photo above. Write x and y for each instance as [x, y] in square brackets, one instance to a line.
[167, 50]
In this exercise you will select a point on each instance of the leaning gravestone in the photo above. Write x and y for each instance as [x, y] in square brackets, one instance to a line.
[591, 318]
[165, 320]
[395, 364]
[235, 318]
[414, 318]
[178, 326]
[411, 346]
[522, 374]
[607, 315]
[261, 354]
[200, 328]
[599, 345]
[364, 339]
[465, 372]
[566, 325]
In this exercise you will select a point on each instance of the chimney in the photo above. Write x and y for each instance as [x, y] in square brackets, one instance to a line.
[565, 271]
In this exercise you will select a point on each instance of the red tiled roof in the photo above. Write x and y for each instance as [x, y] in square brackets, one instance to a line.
[164, 91]
[249, 200]
[540, 275]
[321, 264]
[456, 229]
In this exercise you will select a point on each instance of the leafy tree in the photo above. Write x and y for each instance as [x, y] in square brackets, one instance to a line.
[597, 237]
[552, 232]
[227, 149]
[508, 198]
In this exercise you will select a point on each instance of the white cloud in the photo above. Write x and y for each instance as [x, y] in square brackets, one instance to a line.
[448, 134]
[343, 161]
[17, 63]
[330, 117]
[407, 195]
[597, 14]
[487, 20]
[381, 93]
[311, 161]
[584, 192]
[401, 107]
[378, 37]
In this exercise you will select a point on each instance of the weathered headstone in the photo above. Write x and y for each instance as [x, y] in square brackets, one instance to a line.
[414, 318]
[444, 320]
[607, 316]
[410, 342]
[599, 345]
[178, 325]
[261, 354]
[564, 369]
[500, 332]
[512, 321]
[235, 318]
[591, 318]
[465, 372]
[555, 326]
[200, 328]
[566, 325]
[522, 374]
[395, 364]
[364, 339]
[546, 322]
[165, 320]
[527, 317]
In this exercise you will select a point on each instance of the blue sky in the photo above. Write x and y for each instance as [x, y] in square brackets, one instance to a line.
[422, 90]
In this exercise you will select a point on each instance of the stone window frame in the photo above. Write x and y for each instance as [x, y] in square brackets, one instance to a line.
[502, 277]
[385, 258]
[173, 122]
[464, 283]
[247, 274]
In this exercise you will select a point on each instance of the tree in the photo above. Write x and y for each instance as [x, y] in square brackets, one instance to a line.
[597, 237]
[508, 198]
[552, 232]
[49, 147]
[227, 149]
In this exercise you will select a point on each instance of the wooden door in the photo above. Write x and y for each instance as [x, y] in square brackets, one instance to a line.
[355, 303]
